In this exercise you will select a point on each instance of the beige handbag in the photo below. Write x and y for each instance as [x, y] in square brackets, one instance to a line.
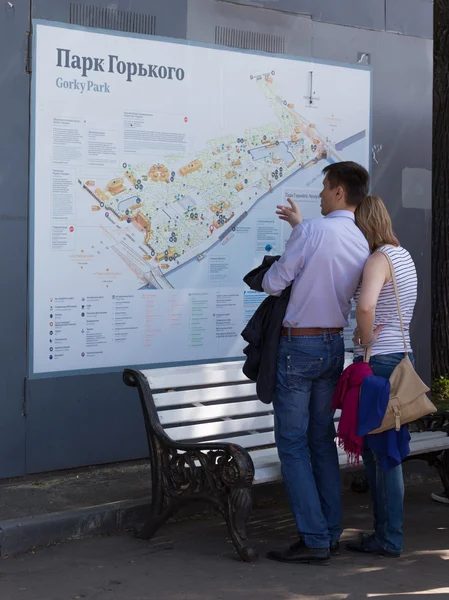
[408, 393]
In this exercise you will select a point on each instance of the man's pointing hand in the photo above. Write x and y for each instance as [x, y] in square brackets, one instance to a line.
[291, 213]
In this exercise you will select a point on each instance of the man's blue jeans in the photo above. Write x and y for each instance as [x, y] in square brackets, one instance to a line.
[386, 487]
[307, 373]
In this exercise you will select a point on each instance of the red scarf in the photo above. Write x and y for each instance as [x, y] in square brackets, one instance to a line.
[346, 398]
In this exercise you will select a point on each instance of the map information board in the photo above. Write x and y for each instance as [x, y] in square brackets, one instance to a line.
[156, 169]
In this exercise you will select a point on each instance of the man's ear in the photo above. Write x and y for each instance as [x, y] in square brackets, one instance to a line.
[340, 193]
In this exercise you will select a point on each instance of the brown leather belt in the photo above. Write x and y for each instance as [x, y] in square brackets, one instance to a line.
[310, 330]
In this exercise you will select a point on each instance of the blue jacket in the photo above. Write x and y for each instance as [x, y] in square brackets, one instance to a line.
[392, 446]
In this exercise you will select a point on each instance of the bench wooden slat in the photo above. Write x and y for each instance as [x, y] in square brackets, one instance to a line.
[432, 441]
[423, 446]
[195, 375]
[219, 428]
[272, 471]
[265, 456]
[226, 392]
[268, 474]
[250, 440]
[213, 412]
[201, 375]
[428, 435]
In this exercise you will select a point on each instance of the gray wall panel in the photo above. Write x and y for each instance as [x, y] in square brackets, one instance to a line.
[305, 7]
[14, 125]
[410, 17]
[14, 114]
[171, 15]
[204, 15]
[369, 14]
[13, 244]
[76, 421]
[402, 140]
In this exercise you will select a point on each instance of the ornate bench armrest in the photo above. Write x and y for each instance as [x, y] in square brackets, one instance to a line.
[230, 462]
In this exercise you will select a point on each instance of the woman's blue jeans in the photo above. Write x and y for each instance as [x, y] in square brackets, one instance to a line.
[386, 487]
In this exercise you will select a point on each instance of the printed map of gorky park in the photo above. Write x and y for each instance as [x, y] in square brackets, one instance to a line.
[151, 200]
[183, 205]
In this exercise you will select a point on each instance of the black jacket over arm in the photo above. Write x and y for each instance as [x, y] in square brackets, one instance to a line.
[263, 333]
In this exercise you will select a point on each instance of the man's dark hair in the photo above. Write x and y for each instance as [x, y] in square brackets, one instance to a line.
[352, 177]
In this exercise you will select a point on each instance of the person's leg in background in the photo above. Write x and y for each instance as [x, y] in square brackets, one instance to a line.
[386, 487]
[371, 474]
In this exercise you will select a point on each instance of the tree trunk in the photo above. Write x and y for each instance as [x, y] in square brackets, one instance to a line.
[440, 193]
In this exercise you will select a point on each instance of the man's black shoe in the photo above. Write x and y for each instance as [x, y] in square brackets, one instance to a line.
[300, 553]
[334, 547]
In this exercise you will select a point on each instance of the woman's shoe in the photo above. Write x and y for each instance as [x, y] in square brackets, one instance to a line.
[367, 544]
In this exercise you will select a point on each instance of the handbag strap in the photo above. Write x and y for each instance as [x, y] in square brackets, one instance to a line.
[396, 293]
[367, 355]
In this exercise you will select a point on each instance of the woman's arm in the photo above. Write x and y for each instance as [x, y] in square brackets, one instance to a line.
[375, 275]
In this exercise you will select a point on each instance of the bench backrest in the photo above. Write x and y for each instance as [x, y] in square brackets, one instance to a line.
[211, 402]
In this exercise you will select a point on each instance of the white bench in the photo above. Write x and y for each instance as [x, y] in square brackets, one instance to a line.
[210, 438]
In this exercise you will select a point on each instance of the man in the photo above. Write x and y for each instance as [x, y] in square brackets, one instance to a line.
[323, 260]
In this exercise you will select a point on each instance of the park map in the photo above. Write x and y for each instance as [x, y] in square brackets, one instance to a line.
[183, 205]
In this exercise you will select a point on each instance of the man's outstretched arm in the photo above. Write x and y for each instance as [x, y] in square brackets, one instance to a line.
[287, 268]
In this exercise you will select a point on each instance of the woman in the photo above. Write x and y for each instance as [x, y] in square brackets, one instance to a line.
[378, 328]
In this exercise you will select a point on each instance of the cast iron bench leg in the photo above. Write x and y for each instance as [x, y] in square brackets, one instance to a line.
[239, 510]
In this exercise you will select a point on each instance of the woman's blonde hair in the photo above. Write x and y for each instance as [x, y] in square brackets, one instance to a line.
[372, 218]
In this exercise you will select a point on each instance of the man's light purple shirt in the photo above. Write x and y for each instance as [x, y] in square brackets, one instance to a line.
[324, 258]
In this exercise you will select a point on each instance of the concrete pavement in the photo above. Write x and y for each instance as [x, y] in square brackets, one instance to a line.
[193, 560]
